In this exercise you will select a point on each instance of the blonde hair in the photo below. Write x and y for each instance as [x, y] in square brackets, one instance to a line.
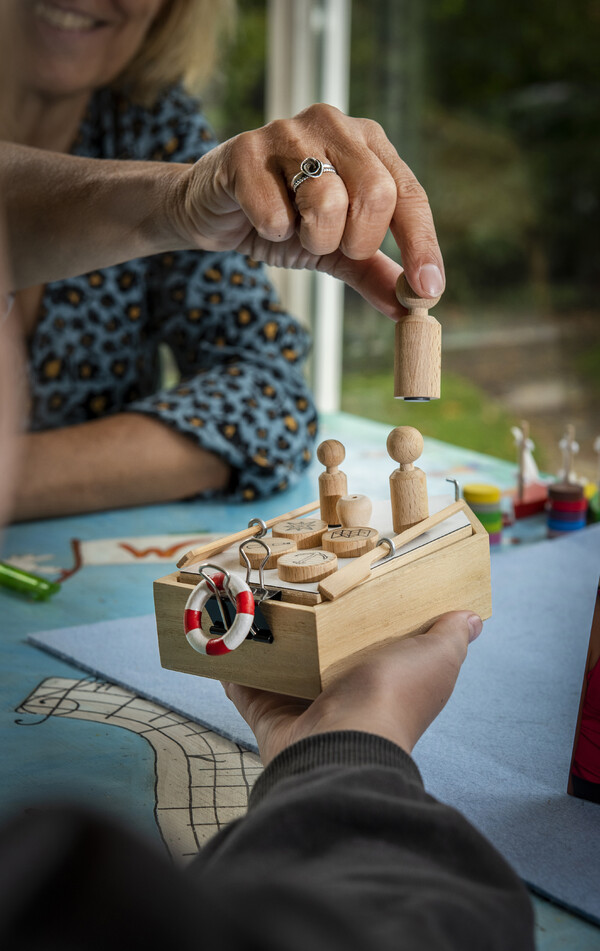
[181, 46]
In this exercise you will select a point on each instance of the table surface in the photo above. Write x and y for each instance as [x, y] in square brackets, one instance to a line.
[170, 778]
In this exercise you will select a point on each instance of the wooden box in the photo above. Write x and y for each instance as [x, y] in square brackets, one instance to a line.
[312, 642]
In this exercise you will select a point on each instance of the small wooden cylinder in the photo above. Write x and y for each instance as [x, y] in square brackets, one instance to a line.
[354, 510]
[408, 493]
[418, 355]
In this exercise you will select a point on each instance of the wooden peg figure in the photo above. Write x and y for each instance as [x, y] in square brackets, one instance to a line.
[418, 347]
[408, 484]
[569, 448]
[332, 483]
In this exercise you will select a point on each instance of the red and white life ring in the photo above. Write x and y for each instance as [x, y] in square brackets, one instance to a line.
[236, 634]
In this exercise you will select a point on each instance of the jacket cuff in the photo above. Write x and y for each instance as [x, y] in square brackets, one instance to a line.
[339, 748]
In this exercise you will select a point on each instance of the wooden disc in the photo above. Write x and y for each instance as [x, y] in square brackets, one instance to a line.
[256, 553]
[481, 493]
[565, 491]
[350, 542]
[306, 532]
[302, 566]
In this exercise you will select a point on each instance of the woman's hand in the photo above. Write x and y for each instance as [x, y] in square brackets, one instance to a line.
[395, 691]
[239, 197]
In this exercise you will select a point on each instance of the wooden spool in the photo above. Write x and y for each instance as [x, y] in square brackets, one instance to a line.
[354, 510]
[301, 566]
[408, 484]
[418, 347]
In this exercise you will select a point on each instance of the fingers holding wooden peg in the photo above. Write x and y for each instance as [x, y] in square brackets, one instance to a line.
[332, 483]
[408, 484]
[418, 347]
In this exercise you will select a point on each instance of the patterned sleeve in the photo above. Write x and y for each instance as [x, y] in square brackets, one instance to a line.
[243, 394]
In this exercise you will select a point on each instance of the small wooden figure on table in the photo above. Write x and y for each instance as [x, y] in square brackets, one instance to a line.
[531, 495]
[332, 483]
[408, 484]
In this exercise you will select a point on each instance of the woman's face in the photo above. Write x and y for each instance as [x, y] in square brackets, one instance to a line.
[70, 47]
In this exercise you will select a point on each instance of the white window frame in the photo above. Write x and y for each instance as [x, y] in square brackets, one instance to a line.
[308, 60]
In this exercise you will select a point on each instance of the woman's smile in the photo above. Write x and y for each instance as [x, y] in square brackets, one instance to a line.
[64, 48]
[67, 19]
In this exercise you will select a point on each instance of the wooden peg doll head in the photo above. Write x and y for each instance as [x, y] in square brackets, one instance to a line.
[405, 445]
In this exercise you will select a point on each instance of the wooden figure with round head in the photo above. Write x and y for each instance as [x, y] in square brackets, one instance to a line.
[408, 484]
[332, 483]
[418, 347]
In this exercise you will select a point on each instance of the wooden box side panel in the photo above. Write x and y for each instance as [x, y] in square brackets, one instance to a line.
[404, 602]
[289, 665]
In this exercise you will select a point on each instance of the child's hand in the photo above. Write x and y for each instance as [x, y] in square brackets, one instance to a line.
[395, 691]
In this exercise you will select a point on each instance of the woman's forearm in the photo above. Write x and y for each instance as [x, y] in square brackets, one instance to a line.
[67, 215]
[120, 461]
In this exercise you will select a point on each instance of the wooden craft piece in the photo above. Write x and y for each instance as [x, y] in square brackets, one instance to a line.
[418, 347]
[408, 484]
[350, 542]
[256, 552]
[313, 641]
[332, 483]
[354, 510]
[301, 566]
[307, 533]
[220, 544]
[565, 491]
[351, 575]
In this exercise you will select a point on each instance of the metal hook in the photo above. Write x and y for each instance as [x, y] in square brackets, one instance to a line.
[263, 527]
[456, 489]
[261, 578]
[215, 590]
[391, 554]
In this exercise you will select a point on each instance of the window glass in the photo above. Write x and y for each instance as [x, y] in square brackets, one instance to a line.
[495, 107]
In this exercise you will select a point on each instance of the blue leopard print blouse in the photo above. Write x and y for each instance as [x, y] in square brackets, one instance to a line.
[95, 350]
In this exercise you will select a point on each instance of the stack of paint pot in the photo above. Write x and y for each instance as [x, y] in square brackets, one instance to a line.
[566, 508]
[484, 501]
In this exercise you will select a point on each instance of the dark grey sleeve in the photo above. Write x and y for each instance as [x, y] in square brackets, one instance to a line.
[342, 848]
